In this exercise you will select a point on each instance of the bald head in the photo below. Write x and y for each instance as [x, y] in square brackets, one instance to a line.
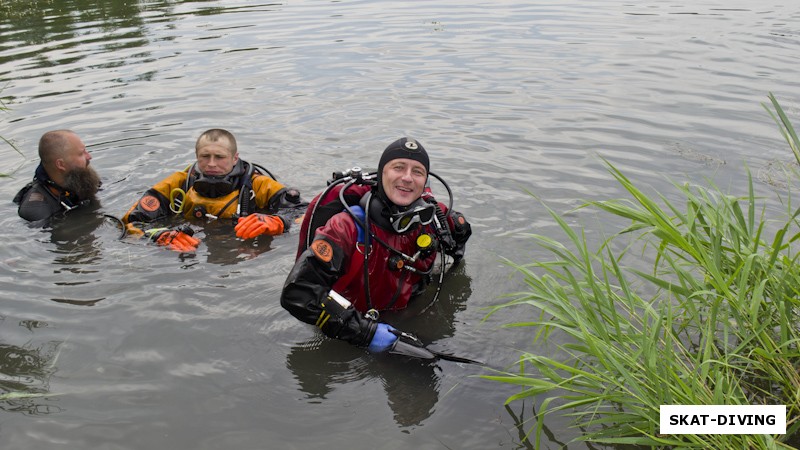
[61, 151]
[54, 145]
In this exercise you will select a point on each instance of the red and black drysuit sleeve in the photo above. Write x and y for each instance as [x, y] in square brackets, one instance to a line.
[306, 291]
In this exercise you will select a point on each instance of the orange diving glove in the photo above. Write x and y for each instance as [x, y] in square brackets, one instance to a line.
[179, 240]
[257, 224]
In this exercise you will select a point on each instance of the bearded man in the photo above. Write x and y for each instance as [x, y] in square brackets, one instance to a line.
[63, 180]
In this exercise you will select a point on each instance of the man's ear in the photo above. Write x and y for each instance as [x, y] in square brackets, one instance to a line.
[60, 165]
[236, 158]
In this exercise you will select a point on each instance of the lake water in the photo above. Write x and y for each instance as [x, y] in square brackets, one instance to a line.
[124, 345]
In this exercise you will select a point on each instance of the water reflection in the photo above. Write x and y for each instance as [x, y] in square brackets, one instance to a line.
[60, 35]
[411, 385]
[70, 24]
[523, 427]
[78, 248]
[25, 373]
[75, 238]
[224, 248]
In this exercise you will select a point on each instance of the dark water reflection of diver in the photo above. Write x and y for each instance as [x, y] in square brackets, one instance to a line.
[75, 235]
[224, 248]
[411, 385]
[80, 239]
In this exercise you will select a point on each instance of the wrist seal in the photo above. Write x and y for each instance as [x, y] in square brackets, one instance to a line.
[334, 308]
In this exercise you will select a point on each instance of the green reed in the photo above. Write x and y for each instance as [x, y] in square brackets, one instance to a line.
[4, 108]
[713, 321]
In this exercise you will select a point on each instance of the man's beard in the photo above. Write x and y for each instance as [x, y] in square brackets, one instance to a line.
[82, 182]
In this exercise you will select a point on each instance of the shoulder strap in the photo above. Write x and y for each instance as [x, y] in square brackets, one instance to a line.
[358, 211]
[189, 181]
[357, 262]
[245, 190]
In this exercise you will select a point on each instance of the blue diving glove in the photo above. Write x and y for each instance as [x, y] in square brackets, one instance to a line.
[383, 339]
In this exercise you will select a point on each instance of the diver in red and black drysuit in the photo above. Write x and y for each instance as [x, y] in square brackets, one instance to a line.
[395, 223]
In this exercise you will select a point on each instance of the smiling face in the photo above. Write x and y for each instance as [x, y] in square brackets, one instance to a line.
[403, 180]
[215, 158]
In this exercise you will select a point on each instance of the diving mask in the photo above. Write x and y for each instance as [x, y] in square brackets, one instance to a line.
[419, 212]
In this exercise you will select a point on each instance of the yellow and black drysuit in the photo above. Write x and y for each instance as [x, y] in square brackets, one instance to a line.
[245, 190]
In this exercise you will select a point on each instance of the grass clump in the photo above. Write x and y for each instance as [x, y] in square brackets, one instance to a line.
[4, 108]
[714, 321]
